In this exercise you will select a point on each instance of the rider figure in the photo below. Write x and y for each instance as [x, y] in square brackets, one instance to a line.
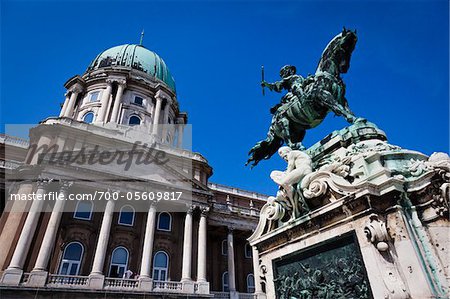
[290, 81]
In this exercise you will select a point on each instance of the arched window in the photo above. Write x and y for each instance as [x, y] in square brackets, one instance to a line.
[248, 251]
[119, 262]
[224, 247]
[164, 221]
[88, 117]
[71, 259]
[250, 283]
[225, 284]
[83, 210]
[160, 266]
[126, 215]
[134, 120]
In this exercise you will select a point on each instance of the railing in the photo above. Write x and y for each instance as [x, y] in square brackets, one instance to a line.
[247, 296]
[221, 295]
[14, 140]
[9, 164]
[56, 280]
[167, 286]
[121, 283]
[228, 189]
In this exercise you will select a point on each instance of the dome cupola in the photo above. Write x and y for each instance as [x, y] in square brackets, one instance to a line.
[135, 57]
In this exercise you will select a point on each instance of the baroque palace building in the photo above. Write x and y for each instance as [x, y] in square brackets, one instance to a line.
[116, 248]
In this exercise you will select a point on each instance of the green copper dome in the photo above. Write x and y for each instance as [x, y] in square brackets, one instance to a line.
[136, 57]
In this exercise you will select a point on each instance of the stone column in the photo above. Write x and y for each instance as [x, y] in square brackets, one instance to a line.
[117, 101]
[156, 115]
[188, 285]
[13, 274]
[203, 285]
[231, 269]
[12, 224]
[145, 280]
[66, 103]
[180, 135]
[96, 277]
[202, 231]
[76, 90]
[104, 102]
[258, 288]
[39, 274]
[165, 121]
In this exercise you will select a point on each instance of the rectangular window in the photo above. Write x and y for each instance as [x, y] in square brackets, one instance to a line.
[93, 97]
[138, 101]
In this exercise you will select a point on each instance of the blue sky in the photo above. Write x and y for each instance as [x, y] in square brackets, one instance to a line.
[398, 79]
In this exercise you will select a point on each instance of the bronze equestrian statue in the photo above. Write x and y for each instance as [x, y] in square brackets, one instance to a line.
[309, 100]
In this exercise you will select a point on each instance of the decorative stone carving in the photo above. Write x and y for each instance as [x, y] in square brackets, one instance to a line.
[299, 165]
[65, 185]
[436, 162]
[204, 210]
[376, 232]
[371, 146]
[43, 182]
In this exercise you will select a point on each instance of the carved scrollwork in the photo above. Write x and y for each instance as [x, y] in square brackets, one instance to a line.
[375, 231]
[315, 189]
[442, 201]
[274, 210]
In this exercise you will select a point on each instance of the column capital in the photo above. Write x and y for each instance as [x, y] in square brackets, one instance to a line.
[43, 182]
[65, 185]
[122, 82]
[76, 89]
[230, 229]
[191, 209]
[204, 211]
[110, 81]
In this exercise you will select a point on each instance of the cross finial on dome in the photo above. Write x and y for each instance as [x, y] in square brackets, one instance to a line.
[142, 37]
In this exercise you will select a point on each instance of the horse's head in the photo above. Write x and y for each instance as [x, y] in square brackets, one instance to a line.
[347, 45]
[336, 56]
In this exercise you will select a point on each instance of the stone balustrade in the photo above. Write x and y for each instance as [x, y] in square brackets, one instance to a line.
[121, 284]
[7, 139]
[67, 281]
[168, 286]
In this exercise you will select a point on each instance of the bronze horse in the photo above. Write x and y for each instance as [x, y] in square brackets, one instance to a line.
[322, 93]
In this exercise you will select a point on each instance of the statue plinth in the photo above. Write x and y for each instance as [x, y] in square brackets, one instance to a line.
[360, 223]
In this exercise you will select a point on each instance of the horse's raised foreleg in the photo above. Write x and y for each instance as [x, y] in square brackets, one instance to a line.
[328, 100]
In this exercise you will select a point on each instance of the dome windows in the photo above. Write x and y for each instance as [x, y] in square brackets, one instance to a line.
[134, 120]
[93, 96]
[88, 117]
[138, 101]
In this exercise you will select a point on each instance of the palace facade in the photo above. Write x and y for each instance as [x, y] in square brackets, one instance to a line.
[90, 248]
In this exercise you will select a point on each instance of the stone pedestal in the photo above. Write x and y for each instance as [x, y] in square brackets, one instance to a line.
[96, 281]
[234, 295]
[364, 224]
[37, 278]
[203, 287]
[12, 276]
[188, 286]
[145, 284]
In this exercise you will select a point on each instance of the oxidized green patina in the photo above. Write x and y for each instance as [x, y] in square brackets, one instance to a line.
[309, 100]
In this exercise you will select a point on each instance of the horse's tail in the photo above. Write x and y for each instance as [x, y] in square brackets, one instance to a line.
[264, 150]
